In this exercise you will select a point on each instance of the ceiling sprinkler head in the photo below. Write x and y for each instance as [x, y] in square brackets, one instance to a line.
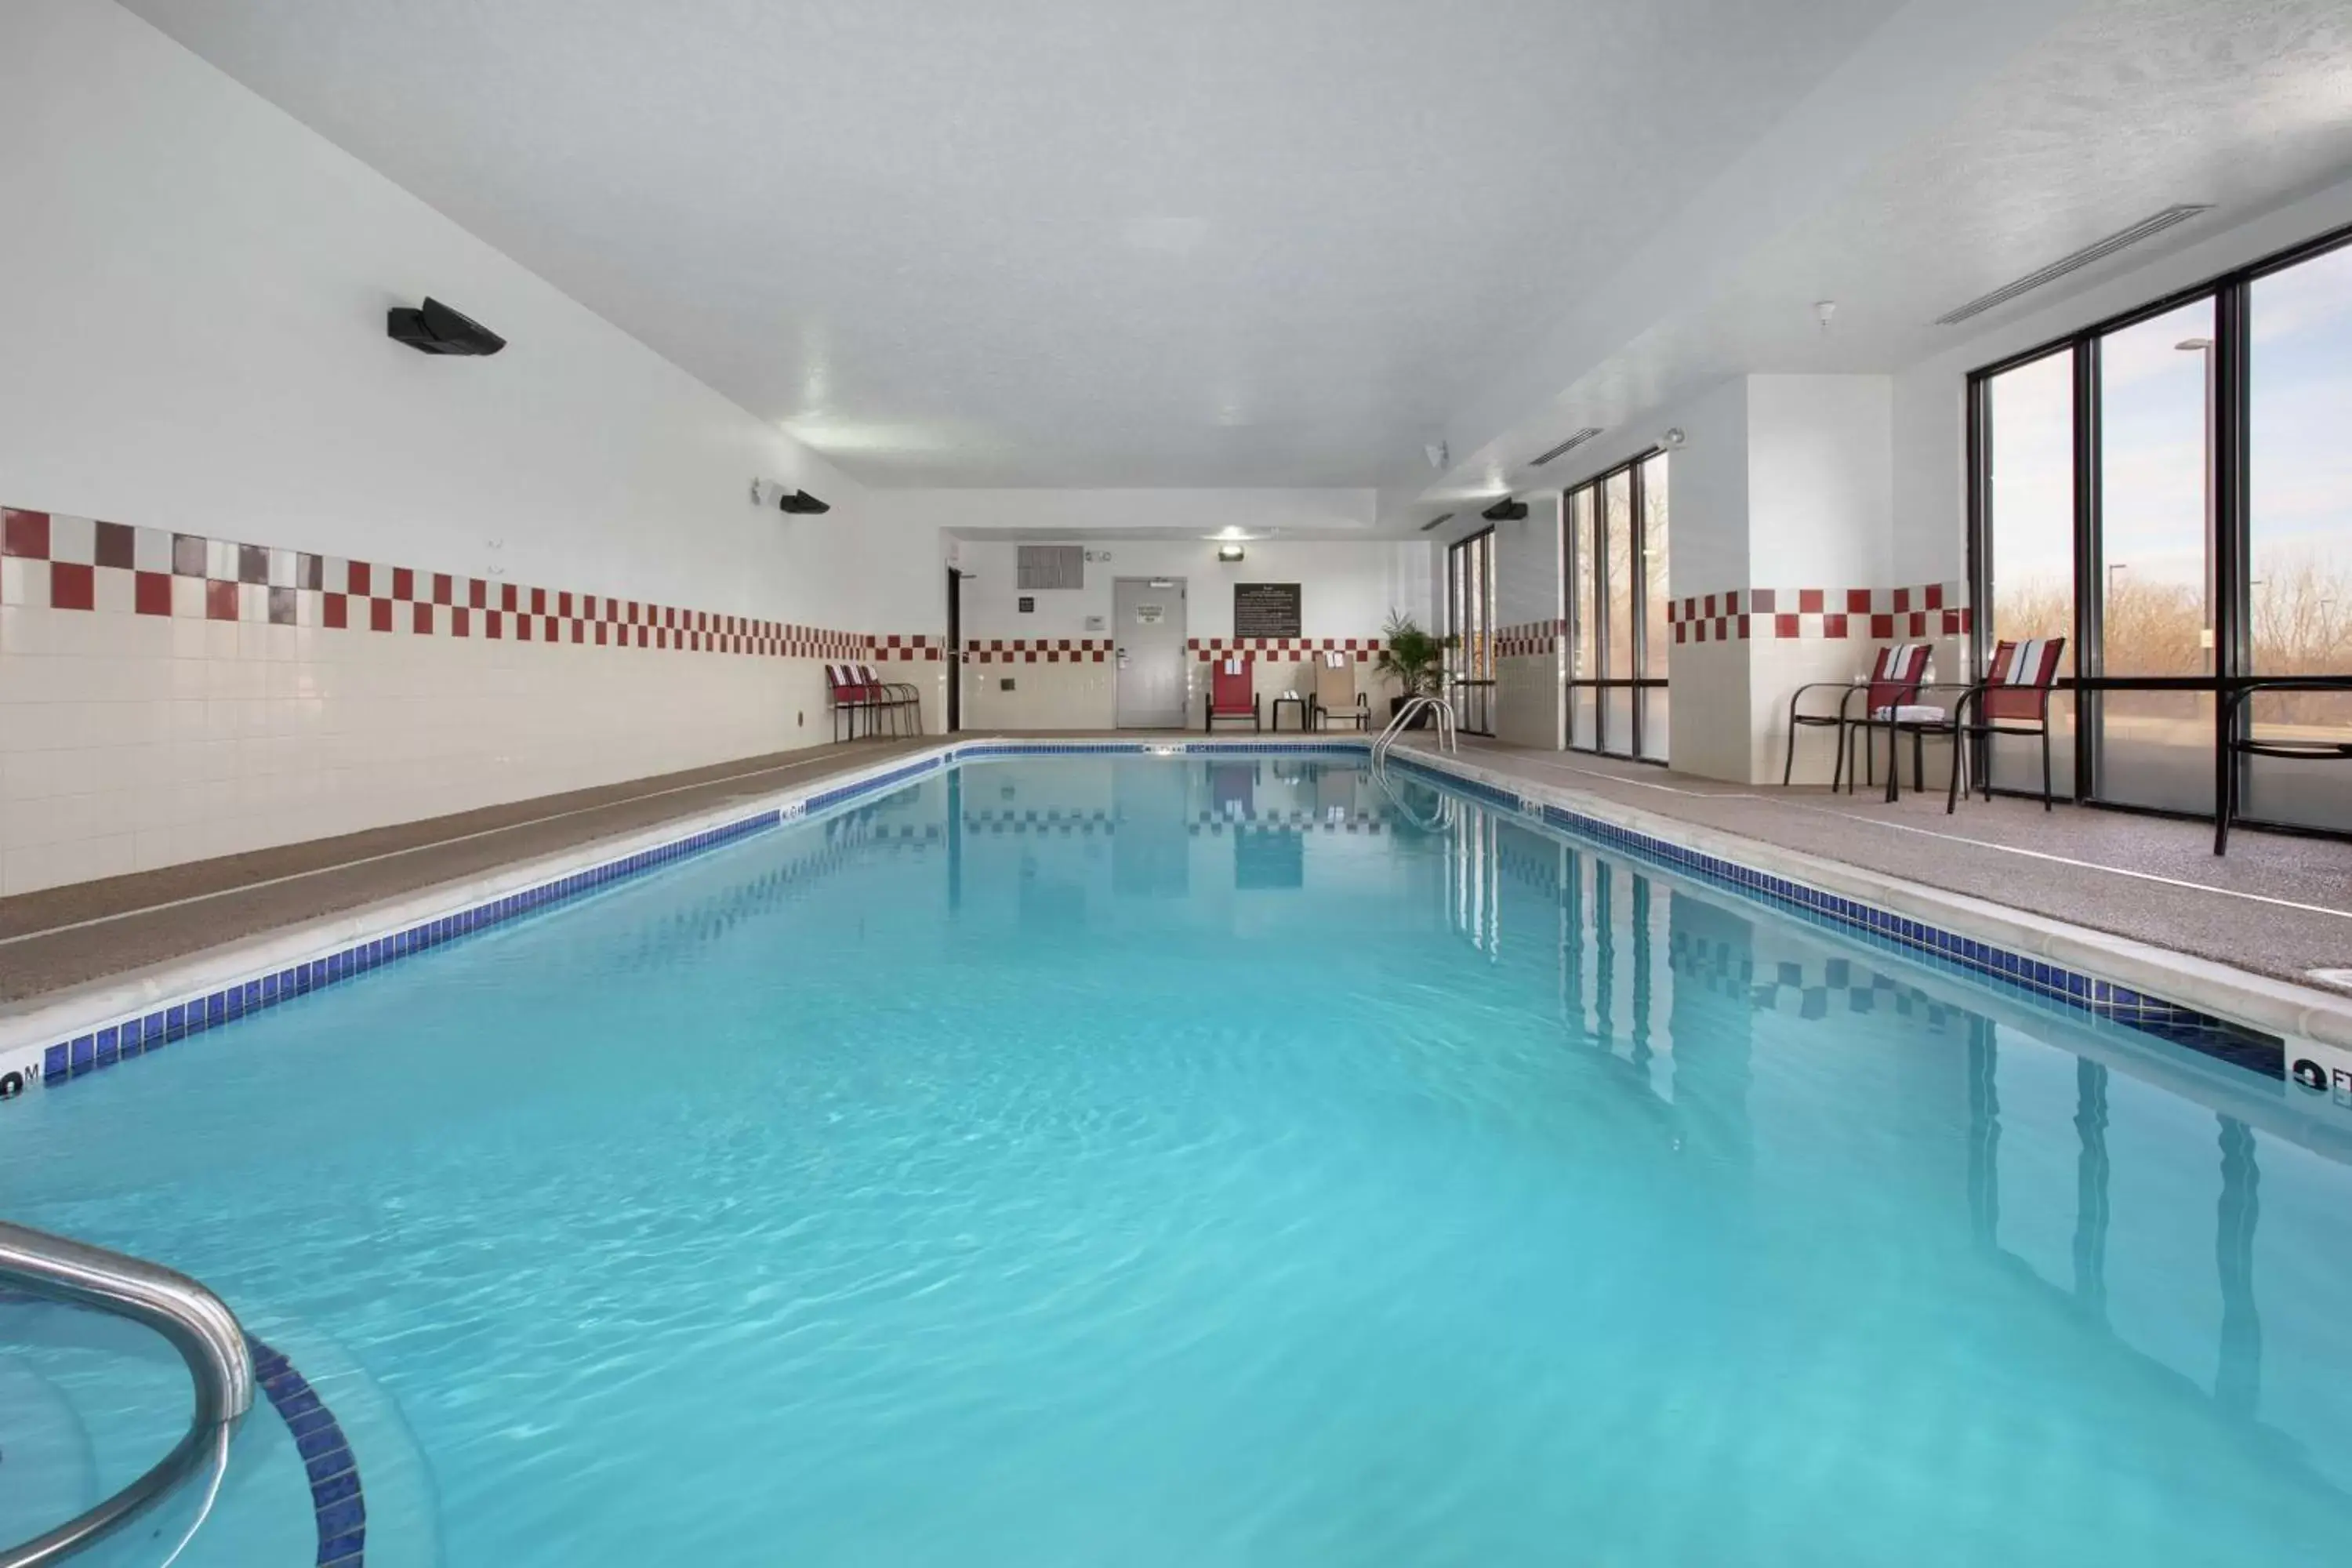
[1825, 312]
[1672, 440]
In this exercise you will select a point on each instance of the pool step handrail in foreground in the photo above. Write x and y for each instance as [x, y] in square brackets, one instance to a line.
[198, 1324]
[1448, 737]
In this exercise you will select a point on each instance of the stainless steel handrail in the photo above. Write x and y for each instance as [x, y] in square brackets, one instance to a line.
[1448, 739]
[198, 1324]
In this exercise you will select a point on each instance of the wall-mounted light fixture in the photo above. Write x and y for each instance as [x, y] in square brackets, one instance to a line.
[1506, 511]
[1229, 552]
[435, 329]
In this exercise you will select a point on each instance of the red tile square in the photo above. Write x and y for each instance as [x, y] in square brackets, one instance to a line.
[379, 615]
[1918, 623]
[1832, 626]
[563, 603]
[1809, 600]
[220, 600]
[1882, 626]
[1744, 628]
[1731, 603]
[1935, 592]
[357, 584]
[72, 585]
[549, 631]
[457, 621]
[151, 593]
[1857, 601]
[1710, 604]
[1951, 623]
[579, 629]
[507, 596]
[420, 619]
[443, 587]
[539, 601]
[478, 594]
[493, 624]
[1764, 601]
[1902, 600]
[1784, 625]
[335, 611]
[522, 628]
[600, 634]
[403, 583]
[24, 533]
[115, 546]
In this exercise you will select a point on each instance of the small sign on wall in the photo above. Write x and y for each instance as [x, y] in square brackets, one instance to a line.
[1028, 605]
[1098, 622]
[1151, 614]
[1265, 610]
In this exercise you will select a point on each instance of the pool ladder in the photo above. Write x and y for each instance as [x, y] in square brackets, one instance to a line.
[197, 1323]
[1448, 737]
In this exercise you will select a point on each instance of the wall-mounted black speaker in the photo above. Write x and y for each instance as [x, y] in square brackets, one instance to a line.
[1506, 511]
[802, 502]
[437, 329]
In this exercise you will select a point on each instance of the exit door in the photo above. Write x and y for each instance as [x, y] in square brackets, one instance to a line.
[1148, 634]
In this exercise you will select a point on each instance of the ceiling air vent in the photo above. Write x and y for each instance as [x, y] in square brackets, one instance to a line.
[1570, 444]
[2098, 250]
[1051, 566]
[1440, 521]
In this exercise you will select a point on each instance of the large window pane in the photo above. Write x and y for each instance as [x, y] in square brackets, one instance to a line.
[1617, 569]
[1583, 664]
[2300, 528]
[2156, 508]
[1658, 636]
[2030, 453]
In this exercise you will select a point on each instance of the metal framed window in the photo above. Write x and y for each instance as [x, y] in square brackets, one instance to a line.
[2178, 587]
[1470, 616]
[1613, 559]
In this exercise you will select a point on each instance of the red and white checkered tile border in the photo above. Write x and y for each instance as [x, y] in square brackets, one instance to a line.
[1037, 650]
[1529, 639]
[1293, 648]
[1874, 615]
[80, 563]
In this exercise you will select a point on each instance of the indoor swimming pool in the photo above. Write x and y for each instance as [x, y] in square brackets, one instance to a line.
[1184, 1161]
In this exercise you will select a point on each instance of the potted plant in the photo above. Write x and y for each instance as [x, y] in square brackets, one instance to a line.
[1414, 659]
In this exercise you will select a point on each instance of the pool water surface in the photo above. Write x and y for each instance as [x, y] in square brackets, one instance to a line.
[1087, 1160]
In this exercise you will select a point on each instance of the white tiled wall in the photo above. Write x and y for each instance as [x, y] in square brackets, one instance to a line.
[133, 742]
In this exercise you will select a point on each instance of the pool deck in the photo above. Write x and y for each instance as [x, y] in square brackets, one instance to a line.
[2277, 906]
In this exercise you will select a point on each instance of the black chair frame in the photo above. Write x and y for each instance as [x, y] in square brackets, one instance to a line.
[2235, 740]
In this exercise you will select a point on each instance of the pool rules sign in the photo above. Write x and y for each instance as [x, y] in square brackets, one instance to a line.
[1265, 610]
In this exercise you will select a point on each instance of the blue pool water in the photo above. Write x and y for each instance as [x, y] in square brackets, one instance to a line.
[1076, 1160]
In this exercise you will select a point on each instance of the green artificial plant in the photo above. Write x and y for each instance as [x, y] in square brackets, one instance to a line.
[1414, 658]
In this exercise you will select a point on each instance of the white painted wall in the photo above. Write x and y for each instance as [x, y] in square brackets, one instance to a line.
[1073, 512]
[197, 287]
[1820, 479]
[1345, 589]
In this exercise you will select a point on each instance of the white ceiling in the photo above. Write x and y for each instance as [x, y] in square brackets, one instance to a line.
[1057, 242]
[2101, 118]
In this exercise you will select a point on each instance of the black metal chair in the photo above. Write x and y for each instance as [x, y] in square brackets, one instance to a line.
[2013, 700]
[2235, 740]
[1894, 676]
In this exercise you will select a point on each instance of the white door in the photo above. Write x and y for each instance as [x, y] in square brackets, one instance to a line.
[1148, 633]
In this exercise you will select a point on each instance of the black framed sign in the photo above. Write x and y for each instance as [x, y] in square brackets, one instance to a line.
[1265, 610]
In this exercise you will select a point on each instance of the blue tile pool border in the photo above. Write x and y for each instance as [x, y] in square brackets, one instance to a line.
[88, 1051]
[338, 1504]
[2223, 1038]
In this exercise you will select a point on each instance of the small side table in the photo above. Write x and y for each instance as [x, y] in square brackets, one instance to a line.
[1298, 702]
